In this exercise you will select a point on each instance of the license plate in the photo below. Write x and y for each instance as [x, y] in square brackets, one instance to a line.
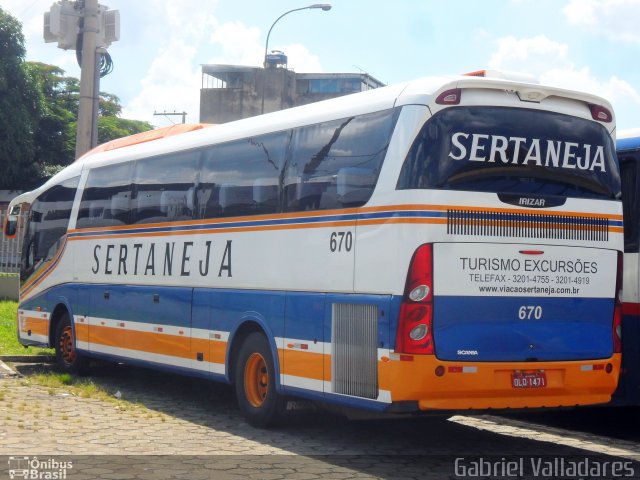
[528, 379]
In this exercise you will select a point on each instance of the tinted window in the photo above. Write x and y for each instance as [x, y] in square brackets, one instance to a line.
[48, 223]
[629, 169]
[242, 177]
[492, 149]
[107, 197]
[164, 188]
[336, 164]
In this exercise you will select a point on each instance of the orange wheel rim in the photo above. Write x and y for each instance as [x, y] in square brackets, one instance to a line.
[256, 380]
[66, 346]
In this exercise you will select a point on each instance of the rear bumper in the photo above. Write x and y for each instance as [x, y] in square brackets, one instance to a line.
[488, 385]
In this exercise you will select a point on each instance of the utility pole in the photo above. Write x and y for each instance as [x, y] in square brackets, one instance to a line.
[87, 78]
[66, 23]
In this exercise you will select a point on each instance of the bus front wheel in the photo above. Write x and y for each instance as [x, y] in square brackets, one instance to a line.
[67, 357]
[255, 382]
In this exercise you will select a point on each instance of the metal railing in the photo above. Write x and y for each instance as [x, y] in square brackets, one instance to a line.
[10, 247]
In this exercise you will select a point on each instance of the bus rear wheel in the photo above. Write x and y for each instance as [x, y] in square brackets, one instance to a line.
[255, 383]
[67, 357]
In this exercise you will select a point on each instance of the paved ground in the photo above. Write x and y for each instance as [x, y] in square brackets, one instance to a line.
[194, 430]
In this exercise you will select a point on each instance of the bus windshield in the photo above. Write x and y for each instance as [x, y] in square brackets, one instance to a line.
[518, 151]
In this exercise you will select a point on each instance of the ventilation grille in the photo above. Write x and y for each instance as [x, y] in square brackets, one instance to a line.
[525, 225]
[354, 347]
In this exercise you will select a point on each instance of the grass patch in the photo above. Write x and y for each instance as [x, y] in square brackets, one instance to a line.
[9, 334]
[80, 387]
[56, 383]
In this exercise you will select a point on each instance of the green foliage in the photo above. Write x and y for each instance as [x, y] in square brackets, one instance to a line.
[38, 135]
[19, 105]
[109, 105]
[111, 127]
[9, 334]
[54, 137]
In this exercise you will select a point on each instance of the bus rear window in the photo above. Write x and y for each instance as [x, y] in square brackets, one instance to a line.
[507, 150]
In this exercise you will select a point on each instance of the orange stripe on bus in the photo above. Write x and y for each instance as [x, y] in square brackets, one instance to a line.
[490, 385]
[38, 326]
[302, 364]
[222, 221]
[42, 273]
[339, 223]
[423, 207]
[322, 213]
[383, 221]
[82, 332]
[159, 343]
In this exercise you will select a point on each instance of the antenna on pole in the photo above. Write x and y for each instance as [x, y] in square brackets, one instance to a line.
[88, 28]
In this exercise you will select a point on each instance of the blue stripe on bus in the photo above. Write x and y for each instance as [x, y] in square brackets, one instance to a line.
[257, 223]
[299, 315]
[163, 367]
[265, 223]
[344, 400]
[489, 328]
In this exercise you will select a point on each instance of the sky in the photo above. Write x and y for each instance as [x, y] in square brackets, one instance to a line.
[587, 45]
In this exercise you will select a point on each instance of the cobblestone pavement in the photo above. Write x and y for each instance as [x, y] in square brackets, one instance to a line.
[168, 426]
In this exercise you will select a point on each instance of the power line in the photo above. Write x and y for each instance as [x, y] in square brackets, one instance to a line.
[166, 114]
[23, 12]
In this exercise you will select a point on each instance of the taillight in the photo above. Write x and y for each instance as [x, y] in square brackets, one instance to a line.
[617, 310]
[600, 113]
[449, 97]
[415, 334]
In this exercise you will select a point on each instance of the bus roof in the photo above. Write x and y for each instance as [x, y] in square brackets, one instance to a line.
[421, 91]
[628, 140]
[147, 136]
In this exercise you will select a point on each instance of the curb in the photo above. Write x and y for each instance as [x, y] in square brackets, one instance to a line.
[5, 371]
[27, 358]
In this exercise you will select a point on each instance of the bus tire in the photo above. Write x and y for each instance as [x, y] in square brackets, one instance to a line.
[255, 383]
[67, 357]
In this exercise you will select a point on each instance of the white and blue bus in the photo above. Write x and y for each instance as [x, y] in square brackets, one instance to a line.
[628, 148]
[449, 243]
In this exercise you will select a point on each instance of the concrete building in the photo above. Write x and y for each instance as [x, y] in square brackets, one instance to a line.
[233, 92]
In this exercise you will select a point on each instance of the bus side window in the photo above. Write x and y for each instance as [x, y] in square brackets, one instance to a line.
[106, 197]
[48, 223]
[242, 177]
[629, 177]
[164, 188]
[336, 164]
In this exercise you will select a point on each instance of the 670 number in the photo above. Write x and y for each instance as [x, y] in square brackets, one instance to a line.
[527, 312]
[340, 241]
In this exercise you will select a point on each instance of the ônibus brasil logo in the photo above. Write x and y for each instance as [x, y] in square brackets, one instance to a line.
[33, 468]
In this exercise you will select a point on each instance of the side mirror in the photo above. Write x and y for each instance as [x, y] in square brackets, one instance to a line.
[11, 222]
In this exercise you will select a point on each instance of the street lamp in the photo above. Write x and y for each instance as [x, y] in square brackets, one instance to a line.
[322, 6]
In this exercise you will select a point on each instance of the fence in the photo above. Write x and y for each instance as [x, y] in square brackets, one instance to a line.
[10, 247]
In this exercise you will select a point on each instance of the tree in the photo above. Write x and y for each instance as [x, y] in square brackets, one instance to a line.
[111, 125]
[54, 137]
[38, 114]
[110, 128]
[56, 133]
[19, 108]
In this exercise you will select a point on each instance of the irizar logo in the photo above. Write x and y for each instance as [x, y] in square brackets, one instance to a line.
[532, 202]
[467, 352]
